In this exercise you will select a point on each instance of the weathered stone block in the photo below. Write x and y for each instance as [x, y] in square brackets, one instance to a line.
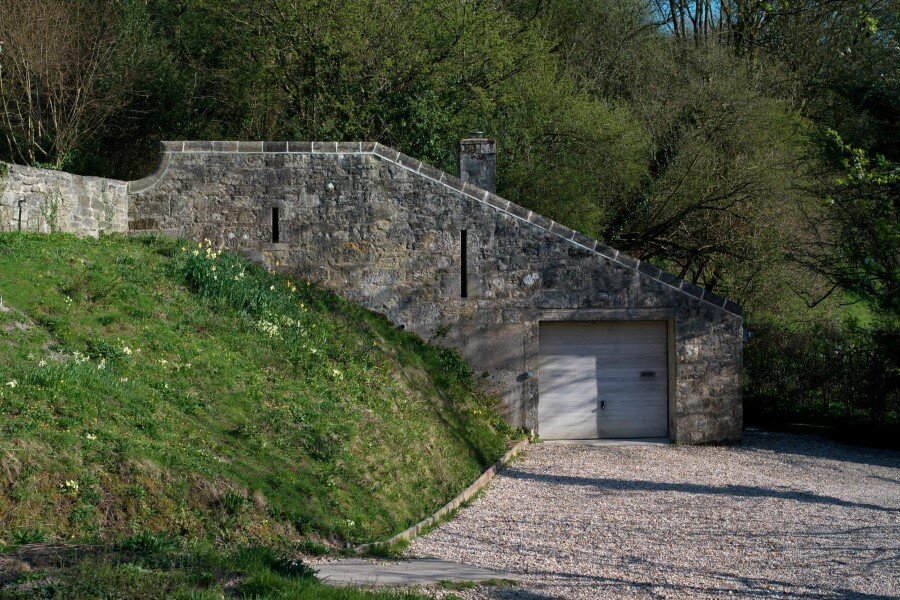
[300, 147]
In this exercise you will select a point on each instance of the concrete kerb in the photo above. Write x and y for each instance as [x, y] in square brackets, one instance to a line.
[477, 485]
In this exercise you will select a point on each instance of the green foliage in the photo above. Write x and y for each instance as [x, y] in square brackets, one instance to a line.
[864, 258]
[188, 573]
[565, 154]
[412, 75]
[392, 550]
[28, 536]
[146, 542]
[155, 391]
[836, 375]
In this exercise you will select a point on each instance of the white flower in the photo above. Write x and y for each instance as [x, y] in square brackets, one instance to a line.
[12, 383]
[90, 436]
[42, 363]
[126, 350]
[272, 288]
[101, 365]
[195, 253]
[123, 380]
[69, 485]
[267, 327]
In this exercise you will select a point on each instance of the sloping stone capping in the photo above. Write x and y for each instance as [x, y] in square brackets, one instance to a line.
[384, 229]
[56, 201]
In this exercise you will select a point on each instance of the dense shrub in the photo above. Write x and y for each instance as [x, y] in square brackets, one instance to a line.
[830, 374]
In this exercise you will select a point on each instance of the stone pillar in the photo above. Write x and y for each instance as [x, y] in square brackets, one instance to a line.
[478, 161]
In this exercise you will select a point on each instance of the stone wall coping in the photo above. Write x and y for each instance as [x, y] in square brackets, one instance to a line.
[42, 172]
[168, 148]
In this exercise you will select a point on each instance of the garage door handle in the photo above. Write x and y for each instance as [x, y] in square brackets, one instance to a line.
[602, 404]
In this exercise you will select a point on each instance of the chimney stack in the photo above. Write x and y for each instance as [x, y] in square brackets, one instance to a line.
[478, 161]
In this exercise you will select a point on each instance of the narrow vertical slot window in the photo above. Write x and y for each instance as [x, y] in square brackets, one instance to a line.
[275, 232]
[463, 263]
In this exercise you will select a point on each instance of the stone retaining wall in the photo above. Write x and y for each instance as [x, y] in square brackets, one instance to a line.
[57, 201]
[384, 230]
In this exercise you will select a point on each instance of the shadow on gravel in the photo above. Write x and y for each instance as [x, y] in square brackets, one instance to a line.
[614, 586]
[814, 446]
[740, 491]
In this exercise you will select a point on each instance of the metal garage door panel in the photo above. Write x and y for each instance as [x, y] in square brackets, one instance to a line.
[619, 365]
[569, 383]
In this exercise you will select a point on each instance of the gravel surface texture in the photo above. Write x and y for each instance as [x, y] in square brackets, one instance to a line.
[784, 516]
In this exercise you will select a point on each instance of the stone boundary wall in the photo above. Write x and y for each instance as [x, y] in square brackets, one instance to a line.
[450, 182]
[54, 201]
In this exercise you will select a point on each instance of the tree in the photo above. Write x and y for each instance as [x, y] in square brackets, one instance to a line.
[858, 240]
[414, 75]
[66, 67]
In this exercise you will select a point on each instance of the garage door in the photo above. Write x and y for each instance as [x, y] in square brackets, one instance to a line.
[603, 380]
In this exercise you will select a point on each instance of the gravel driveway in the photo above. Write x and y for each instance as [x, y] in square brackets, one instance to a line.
[782, 515]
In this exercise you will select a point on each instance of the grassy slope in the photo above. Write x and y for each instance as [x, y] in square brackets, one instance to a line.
[146, 387]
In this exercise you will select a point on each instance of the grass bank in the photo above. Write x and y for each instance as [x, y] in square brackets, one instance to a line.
[151, 387]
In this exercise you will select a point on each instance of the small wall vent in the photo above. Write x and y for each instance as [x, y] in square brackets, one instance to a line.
[275, 231]
[463, 263]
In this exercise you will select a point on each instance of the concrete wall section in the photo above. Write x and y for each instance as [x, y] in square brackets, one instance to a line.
[384, 230]
[56, 201]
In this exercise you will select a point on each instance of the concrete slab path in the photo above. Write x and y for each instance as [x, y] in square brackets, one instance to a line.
[420, 571]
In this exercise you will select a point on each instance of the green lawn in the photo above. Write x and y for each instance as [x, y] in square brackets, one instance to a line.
[154, 387]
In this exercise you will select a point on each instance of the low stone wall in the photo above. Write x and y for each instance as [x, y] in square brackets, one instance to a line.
[54, 201]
